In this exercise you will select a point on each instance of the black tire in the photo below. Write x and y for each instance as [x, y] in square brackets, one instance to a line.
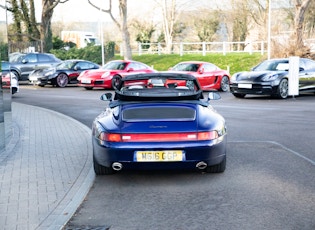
[219, 168]
[13, 90]
[283, 89]
[239, 95]
[88, 88]
[116, 82]
[100, 169]
[62, 80]
[225, 84]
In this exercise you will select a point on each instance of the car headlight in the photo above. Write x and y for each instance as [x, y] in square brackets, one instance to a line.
[234, 77]
[270, 77]
[106, 74]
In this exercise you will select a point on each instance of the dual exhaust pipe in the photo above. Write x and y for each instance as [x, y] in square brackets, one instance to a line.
[200, 165]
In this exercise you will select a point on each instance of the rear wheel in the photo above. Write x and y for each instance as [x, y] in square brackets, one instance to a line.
[219, 168]
[225, 84]
[100, 169]
[116, 81]
[62, 80]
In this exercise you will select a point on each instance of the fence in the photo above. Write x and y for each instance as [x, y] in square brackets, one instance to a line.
[203, 48]
[26, 47]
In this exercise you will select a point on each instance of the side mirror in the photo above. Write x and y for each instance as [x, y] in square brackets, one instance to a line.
[214, 96]
[107, 97]
[24, 61]
[201, 71]
[130, 69]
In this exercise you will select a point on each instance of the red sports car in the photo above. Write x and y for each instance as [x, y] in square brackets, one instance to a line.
[210, 76]
[111, 73]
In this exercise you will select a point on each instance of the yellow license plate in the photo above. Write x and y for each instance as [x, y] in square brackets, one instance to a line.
[159, 156]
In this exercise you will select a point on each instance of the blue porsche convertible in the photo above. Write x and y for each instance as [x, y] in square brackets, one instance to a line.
[159, 121]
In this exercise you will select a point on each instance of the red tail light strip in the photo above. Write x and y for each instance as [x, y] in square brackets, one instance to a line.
[160, 137]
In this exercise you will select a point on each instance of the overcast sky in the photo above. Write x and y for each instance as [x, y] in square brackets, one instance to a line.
[82, 11]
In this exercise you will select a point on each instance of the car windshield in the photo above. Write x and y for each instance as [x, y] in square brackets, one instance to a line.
[157, 86]
[65, 65]
[16, 57]
[186, 67]
[115, 65]
[271, 65]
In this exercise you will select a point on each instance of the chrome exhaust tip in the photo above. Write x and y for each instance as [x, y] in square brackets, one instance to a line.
[201, 165]
[117, 166]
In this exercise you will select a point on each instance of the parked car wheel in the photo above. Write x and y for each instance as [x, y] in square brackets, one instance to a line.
[225, 84]
[116, 81]
[62, 80]
[283, 88]
[100, 169]
[219, 168]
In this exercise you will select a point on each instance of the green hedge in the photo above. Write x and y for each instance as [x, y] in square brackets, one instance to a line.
[92, 53]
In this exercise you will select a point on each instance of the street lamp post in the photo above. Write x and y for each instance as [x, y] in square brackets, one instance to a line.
[269, 29]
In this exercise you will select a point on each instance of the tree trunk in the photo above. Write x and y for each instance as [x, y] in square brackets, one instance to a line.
[301, 7]
[124, 30]
[45, 27]
[168, 23]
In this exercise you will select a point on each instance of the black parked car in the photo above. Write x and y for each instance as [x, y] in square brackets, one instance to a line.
[23, 64]
[62, 74]
[271, 78]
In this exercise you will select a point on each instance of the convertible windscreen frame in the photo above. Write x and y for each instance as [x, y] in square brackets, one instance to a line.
[158, 86]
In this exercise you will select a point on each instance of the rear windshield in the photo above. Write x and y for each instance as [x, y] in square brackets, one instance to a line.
[159, 113]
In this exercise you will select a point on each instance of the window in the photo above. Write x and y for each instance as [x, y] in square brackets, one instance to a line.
[209, 67]
[44, 58]
[84, 65]
[31, 57]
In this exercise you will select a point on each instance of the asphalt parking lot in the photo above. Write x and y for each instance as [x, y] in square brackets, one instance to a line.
[268, 184]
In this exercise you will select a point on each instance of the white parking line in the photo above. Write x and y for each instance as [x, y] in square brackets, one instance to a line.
[282, 146]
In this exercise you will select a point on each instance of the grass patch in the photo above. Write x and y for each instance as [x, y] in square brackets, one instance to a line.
[235, 62]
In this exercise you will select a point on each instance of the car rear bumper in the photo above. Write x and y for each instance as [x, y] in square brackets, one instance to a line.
[209, 152]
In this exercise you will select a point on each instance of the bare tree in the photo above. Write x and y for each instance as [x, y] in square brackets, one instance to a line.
[121, 24]
[300, 8]
[206, 24]
[240, 22]
[310, 19]
[25, 24]
[45, 26]
[170, 15]
[144, 31]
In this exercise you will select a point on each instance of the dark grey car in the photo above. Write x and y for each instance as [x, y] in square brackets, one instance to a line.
[271, 78]
[23, 64]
